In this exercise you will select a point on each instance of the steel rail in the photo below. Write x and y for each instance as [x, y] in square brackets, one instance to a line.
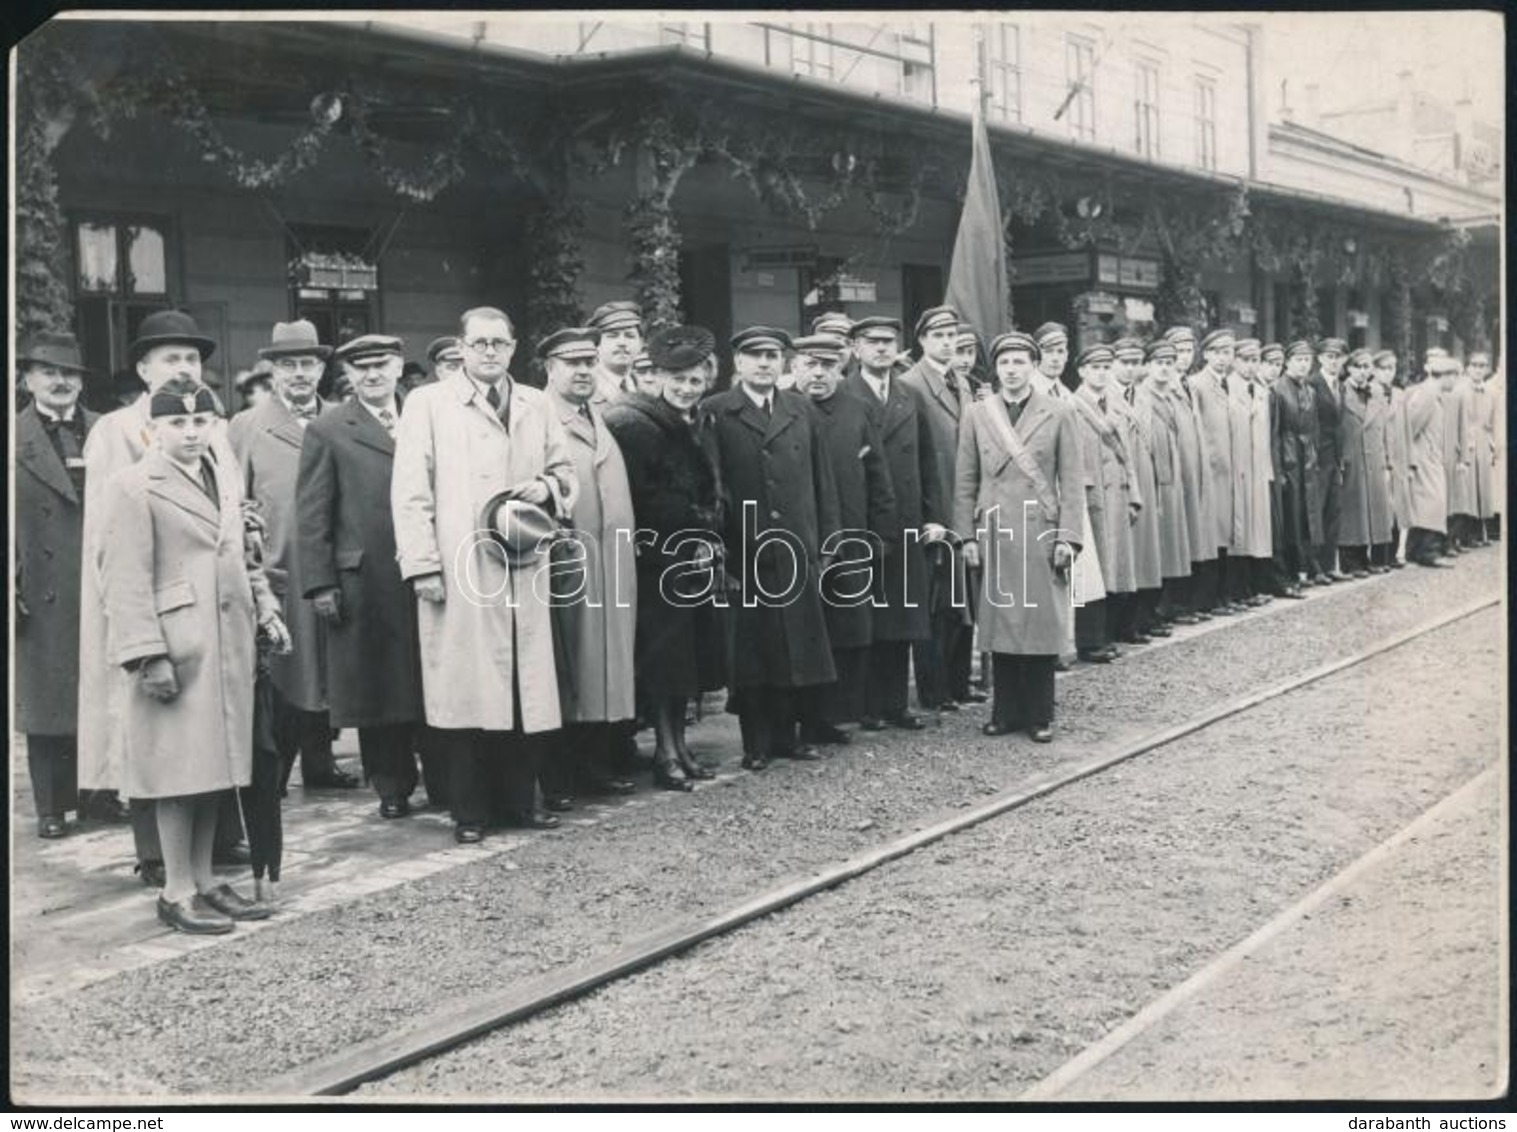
[380, 1057]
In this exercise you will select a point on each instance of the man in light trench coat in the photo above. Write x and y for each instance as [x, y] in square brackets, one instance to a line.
[489, 675]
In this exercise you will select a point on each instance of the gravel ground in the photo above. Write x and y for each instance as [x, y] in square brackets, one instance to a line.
[978, 966]
[1392, 990]
[310, 987]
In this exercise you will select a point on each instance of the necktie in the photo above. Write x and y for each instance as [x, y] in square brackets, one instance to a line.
[769, 407]
[65, 438]
[208, 483]
[1129, 392]
[305, 414]
[1101, 400]
[492, 395]
[387, 419]
[1014, 410]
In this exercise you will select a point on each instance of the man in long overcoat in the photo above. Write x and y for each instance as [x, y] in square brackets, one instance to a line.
[1485, 414]
[1019, 490]
[346, 550]
[49, 518]
[1253, 471]
[1140, 612]
[488, 672]
[943, 666]
[1459, 456]
[1364, 510]
[1397, 449]
[599, 609]
[1330, 357]
[767, 448]
[168, 346]
[868, 530]
[1214, 413]
[1155, 400]
[901, 613]
[1428, 485]
[1295, 455]
[267, 441]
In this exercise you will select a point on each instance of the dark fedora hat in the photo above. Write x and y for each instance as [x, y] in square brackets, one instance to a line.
[297, 339]
[523, 530]
[49, 348]
[166, 327]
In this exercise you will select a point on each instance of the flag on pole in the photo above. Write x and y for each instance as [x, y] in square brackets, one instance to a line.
[977, 282]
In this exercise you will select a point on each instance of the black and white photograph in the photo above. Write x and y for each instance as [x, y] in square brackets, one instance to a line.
[786, 557]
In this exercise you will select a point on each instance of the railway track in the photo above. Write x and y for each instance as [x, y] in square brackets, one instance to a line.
[373, 1060]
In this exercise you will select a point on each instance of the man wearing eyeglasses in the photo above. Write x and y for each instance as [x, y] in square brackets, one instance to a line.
[267, 441]
[467, 448]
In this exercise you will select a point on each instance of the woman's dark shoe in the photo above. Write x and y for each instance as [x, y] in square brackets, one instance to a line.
[669, 775]
[229, 902]
[692, 767]
[194, 916]
[151, 872]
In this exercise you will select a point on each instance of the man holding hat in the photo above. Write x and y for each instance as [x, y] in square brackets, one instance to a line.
[599, 611]
[868, 530]
[943, 665]
[345, 550]
[767, 447]
[1331, 354]
[267, 441]
[473, 453]
[620, 326]
[49, 518]
[168, 346]
[900, 615]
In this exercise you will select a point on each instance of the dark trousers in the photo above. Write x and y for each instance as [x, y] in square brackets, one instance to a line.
[1118, 616]
[1091, 625]
[844, 700]
[1327, 550]
[1266, 577]
[1146, 608]
[1422, 545]
[304, 733]
[1206, 588]
[1297, 559]
[885, 688]
[261, 807]
[1235, 576]
[53, 763]
[1493, 528]
[767, 716]
[1354, 558]
[389, 759]
[1465, 529]
[1174, 598]
[578, 757]
[1383, 553]
[492, 773]
[1023, 690]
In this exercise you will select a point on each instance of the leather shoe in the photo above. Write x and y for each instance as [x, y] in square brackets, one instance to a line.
[949, 705]
[871, 724]
[755, 762]
[906, 722]
[51, 827]
[827, 733]
[993, 729]
[107, 809]
[974, 696]
[1161, 631]
[468, 834]
[1043, 734]
[152, 873]
[1292, 593]
[1062, 665]
[337, 779]
[612, 786]
[533, 819]
[801, 753]
[194, 916]
[1378, 569]
[229, 902]
[394, 808]
[1096, 656]
[558, 803]
[237, 853]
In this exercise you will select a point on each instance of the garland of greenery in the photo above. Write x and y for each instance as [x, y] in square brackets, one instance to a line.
[43, 302]
[554, 264]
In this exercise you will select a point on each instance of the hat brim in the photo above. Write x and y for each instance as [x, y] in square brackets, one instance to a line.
[206, 346]
[32, 360]
[323, 352]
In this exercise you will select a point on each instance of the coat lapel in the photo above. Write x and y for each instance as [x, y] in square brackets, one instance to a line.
[35, 452]
[784, 414]
[1034, 416]
[365, 428]
[172, 485]
[938, 385]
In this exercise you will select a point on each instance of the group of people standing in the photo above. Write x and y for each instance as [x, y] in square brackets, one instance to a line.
[496, 584]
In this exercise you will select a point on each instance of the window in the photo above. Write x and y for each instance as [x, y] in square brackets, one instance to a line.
[812, 53]
[122, 272]
[693, 35]
[1079, 71]
[1146, 109]
[1004, 43]
[1206, 122]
